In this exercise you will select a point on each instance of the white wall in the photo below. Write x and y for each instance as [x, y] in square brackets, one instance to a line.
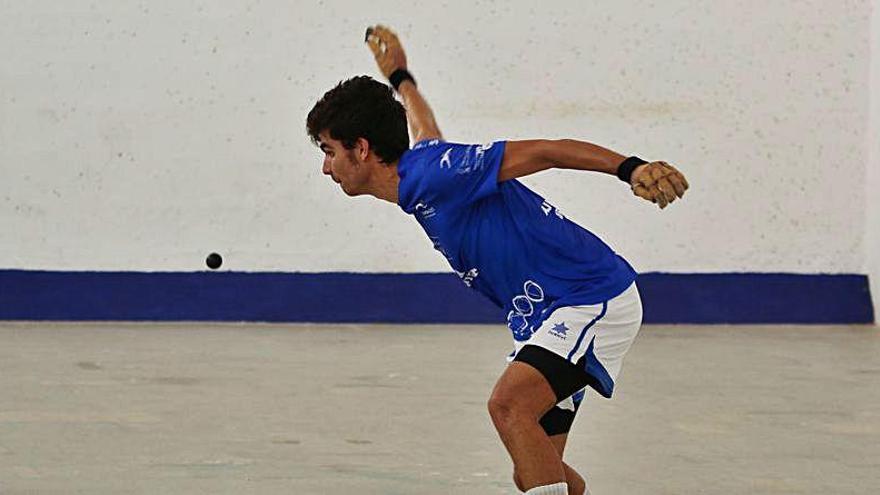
[872, 237]
[144, 135]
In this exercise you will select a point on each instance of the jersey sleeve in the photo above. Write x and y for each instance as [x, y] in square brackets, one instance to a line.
[464, 173]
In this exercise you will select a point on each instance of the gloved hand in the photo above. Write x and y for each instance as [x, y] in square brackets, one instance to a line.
[658, 182]
[386, 49]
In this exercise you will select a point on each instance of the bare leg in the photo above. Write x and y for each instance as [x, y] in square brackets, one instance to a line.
[576, 483]
[521, 396]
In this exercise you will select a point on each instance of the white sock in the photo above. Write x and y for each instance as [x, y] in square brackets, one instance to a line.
[554, 489]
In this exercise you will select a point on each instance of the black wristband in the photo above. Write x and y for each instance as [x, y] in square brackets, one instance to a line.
[625, 170]
[397, 77]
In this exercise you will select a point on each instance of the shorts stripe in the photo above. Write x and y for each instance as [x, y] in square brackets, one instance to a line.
[580, 339]
[594, 368]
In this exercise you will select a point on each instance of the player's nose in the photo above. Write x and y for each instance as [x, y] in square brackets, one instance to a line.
[326, 167]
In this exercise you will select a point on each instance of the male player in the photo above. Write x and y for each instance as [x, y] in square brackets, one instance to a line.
[571, 302]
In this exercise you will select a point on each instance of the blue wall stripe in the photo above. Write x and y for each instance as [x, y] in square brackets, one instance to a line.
[756, 298]
[406, 298]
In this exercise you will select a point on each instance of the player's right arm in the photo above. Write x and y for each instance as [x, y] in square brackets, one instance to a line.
[390, 57]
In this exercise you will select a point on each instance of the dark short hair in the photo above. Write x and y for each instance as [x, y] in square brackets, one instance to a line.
[362, 107]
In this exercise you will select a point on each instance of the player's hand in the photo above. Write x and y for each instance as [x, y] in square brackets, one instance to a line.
[658, 182]
[386, 49]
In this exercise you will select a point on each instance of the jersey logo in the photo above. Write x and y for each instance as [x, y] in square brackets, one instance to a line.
[476, 163]
[424, 210]
[425, 144]
[468, 276]
[547, 208]
[446, 161]
[523, 308]
[439, 247]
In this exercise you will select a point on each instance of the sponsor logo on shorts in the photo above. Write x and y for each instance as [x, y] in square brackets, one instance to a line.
[559, 330]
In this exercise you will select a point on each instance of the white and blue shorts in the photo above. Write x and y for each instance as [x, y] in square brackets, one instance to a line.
[580, 346]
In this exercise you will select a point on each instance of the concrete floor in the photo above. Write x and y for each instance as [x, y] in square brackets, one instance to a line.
[266, 409]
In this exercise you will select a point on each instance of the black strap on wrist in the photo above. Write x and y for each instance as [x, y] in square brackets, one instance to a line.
[625, 170]
[397, 77]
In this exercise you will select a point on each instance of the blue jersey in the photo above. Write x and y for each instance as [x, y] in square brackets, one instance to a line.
[503, 239]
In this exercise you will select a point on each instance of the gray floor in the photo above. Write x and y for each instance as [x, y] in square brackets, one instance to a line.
[265, 409]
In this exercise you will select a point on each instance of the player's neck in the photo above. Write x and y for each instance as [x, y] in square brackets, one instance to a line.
[385, 183]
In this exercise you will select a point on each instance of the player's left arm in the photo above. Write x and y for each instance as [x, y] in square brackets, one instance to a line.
[657, 182]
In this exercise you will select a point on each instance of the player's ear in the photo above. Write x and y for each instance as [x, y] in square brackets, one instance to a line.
[362, 149]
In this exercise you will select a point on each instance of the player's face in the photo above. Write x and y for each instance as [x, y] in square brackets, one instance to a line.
[342, 166]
